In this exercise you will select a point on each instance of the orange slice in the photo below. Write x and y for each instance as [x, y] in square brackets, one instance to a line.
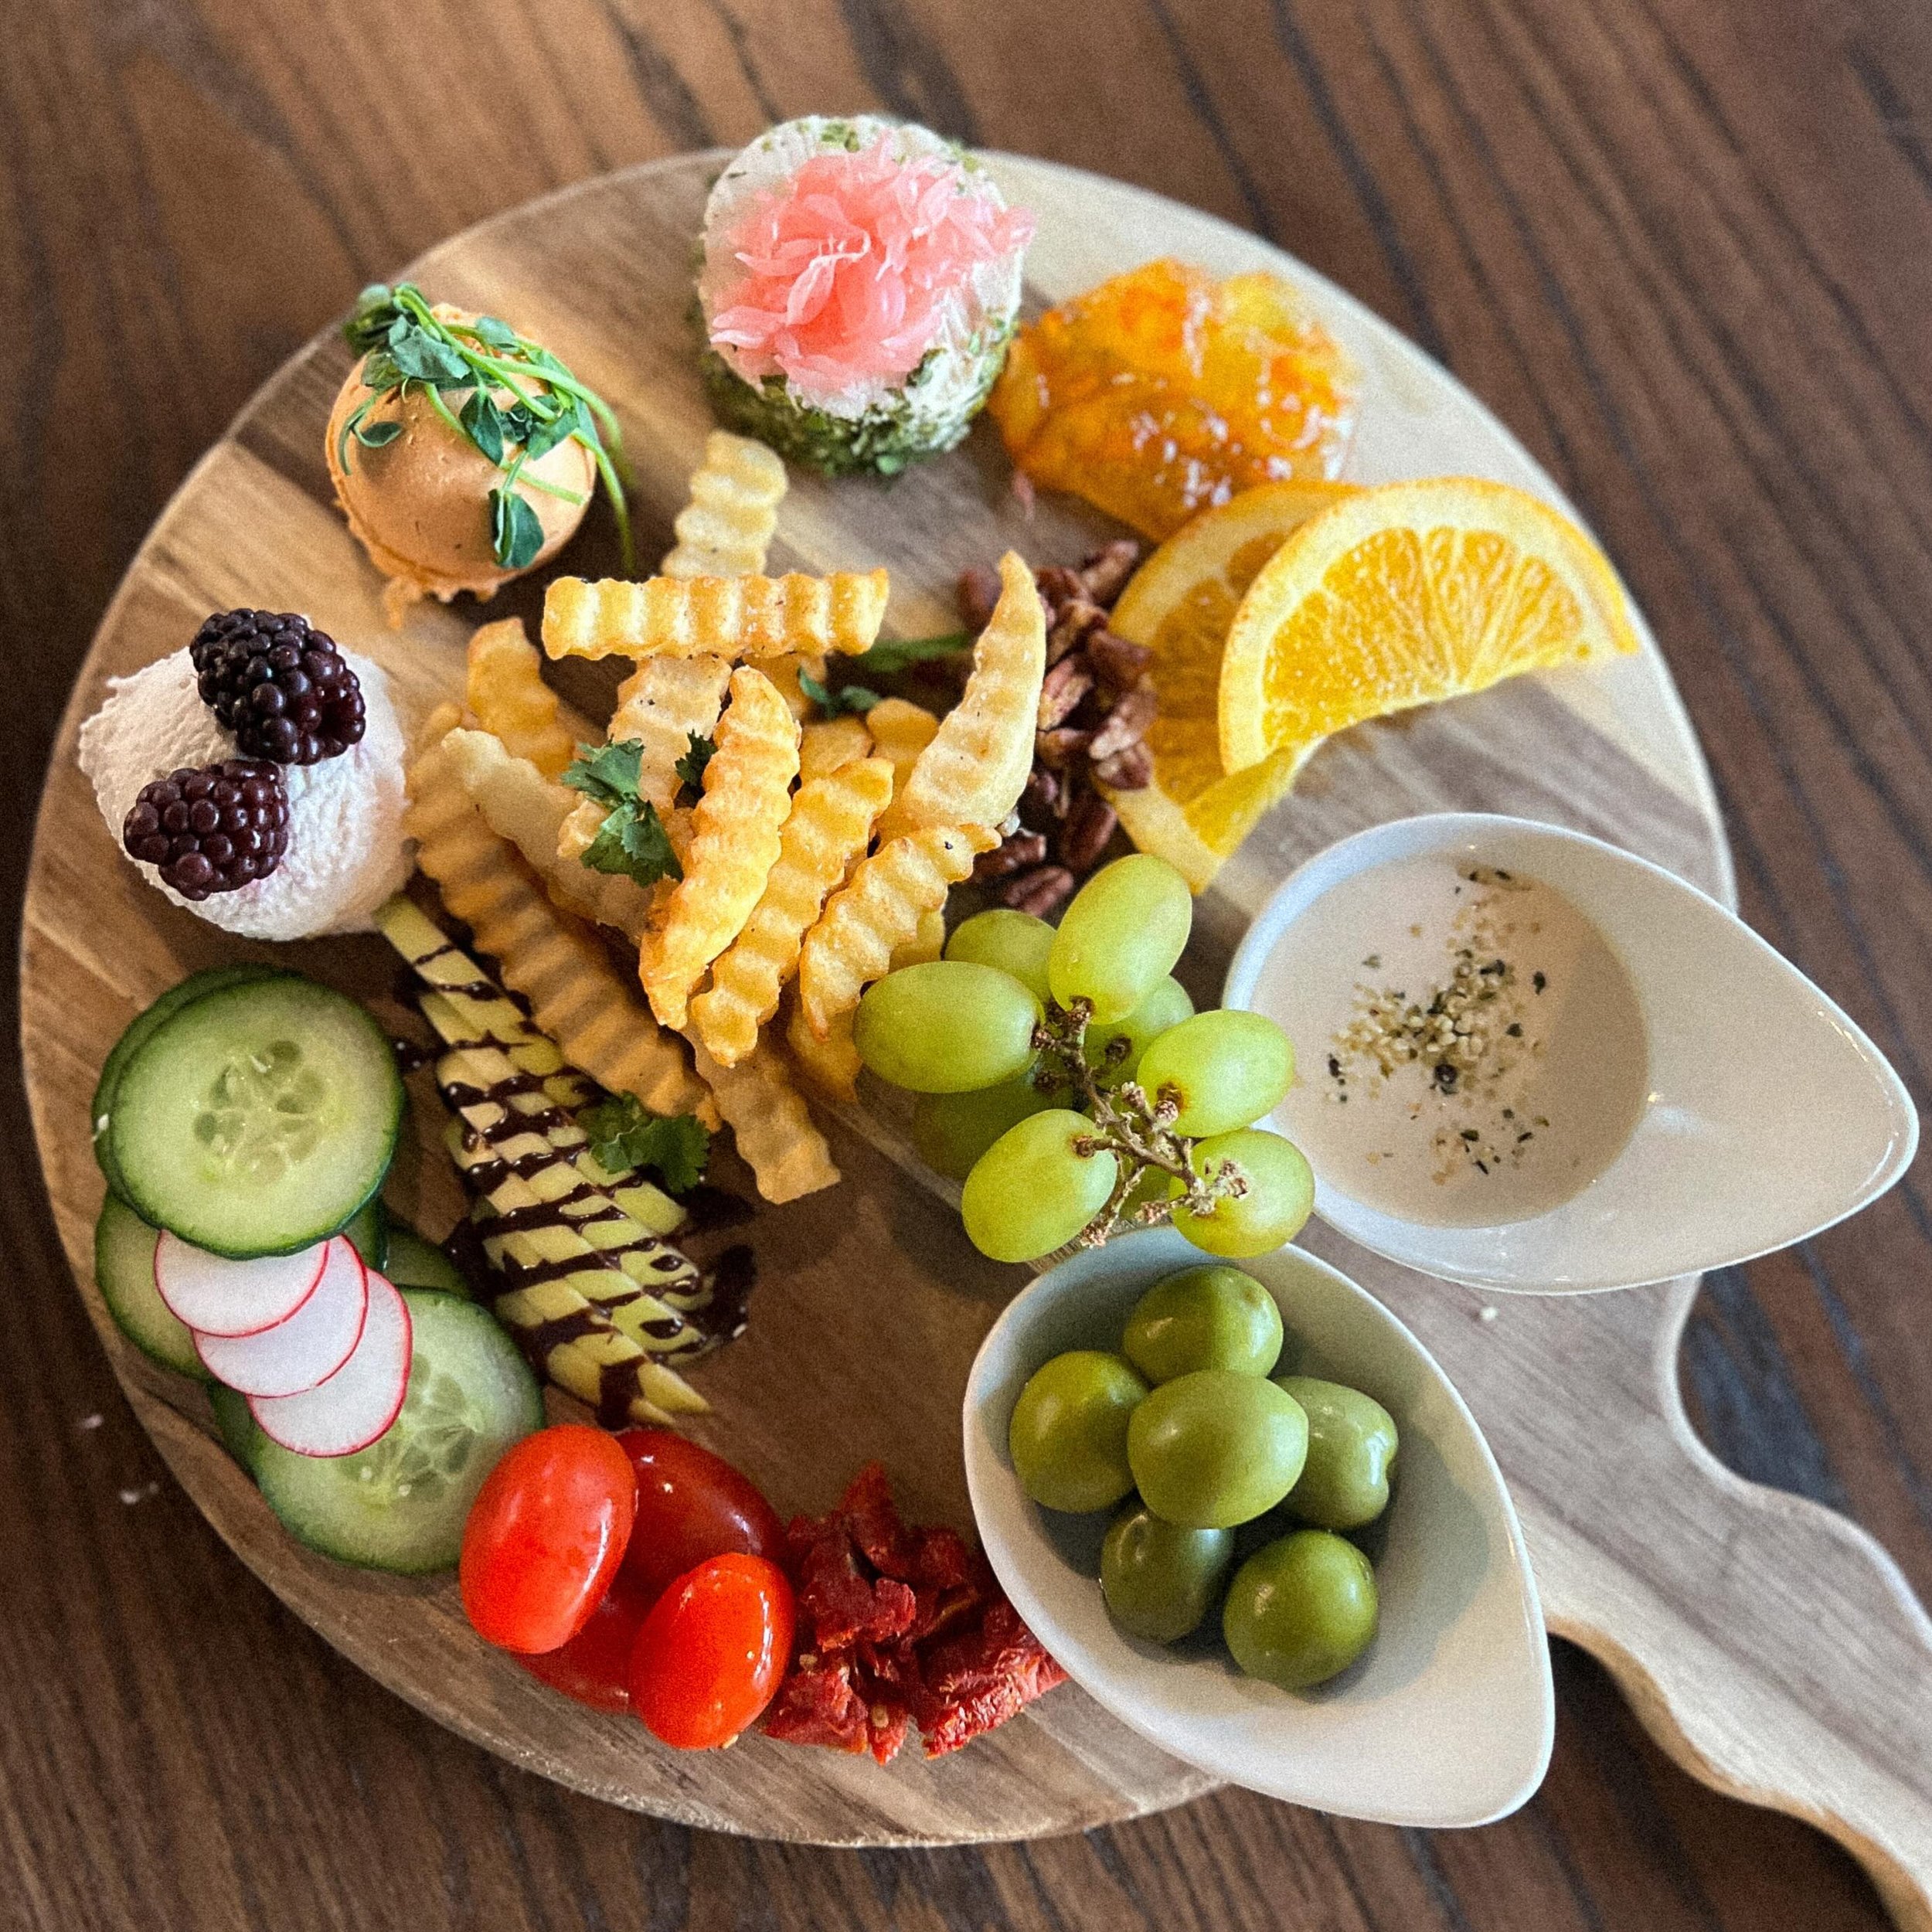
[1405, 594]
[1179, 605]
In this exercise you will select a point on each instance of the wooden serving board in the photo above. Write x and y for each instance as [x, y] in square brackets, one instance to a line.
[1772, 1646]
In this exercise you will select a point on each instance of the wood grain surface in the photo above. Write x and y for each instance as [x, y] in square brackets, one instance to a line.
[1676, 258]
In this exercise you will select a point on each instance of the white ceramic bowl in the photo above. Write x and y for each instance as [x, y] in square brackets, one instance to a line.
[1447, 1719]
[1769, 1117]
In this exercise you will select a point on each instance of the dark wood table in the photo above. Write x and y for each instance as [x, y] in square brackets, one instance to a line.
[1683, 246]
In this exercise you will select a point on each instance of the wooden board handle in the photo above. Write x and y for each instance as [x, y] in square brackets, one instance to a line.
[1773, 1649]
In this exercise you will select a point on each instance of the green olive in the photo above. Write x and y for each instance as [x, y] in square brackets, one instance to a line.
[1068, 1436]
[1301, 1610]
[1204, 1317]
[1160, 1580]
[1352, 1454]
[1211, 1449]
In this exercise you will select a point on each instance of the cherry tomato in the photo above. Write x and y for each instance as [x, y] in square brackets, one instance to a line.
[691, 1504]
[711, 1652]
[594, 1666]
[545, 1536]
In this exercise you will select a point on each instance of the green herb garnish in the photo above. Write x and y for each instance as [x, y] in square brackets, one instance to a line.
[632, 840]
[404, 343]
[624, 1137]
[690, 768]
[896, 654]
[845, 697]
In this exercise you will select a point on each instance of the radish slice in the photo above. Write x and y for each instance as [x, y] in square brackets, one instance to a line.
[363, 1396]
[216, 1296]
[309, 1347]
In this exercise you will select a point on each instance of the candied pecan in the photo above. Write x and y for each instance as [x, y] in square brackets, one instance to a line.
[1083, 837]
[1023, 850]
[1126, 725]
[978, 592]
[1039, 892]
[1119, 663]
[1068, 682]
[1059, 586]
[1045, 799]
[1071, 624]
[1104, 574]
[1060, 746]
[1129, 771]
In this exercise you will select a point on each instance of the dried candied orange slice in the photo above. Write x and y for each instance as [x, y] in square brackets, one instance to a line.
[1163, 391]
[1404, 594]
[1179, 605]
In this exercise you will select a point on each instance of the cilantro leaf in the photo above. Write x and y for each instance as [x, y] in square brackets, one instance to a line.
[624, 1137]
[690, 768]
[896, 654]
[632, 841]
[607, 773]
[848, 697]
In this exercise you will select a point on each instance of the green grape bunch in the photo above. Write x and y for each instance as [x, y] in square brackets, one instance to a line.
[1064, 1077]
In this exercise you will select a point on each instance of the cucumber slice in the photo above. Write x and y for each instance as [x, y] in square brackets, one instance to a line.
[241, 1434]
[124, 1268]
[143, 1025]
[258, 1119]
[369, 1234]
[413, 1262]
[400, 1504]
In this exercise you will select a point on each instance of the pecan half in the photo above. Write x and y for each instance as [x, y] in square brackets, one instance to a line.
[978, 592]
[1015, 854]
[1120, 664]
[1129, 771]
[1045, 798]
[1083, 837]
[1125, 725]
[1060, 746]
[1068, 682]
[1039, 892]
[1106, 572]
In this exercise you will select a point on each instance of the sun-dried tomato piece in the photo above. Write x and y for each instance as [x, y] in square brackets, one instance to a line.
[978, 1678]
[820, 1706]
[843, 1605]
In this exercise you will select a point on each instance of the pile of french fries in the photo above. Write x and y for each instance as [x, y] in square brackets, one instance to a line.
[817, 854]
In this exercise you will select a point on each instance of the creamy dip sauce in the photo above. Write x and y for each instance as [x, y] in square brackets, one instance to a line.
[1469, 1047]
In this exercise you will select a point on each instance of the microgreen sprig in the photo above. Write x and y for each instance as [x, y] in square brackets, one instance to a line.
[406, 345]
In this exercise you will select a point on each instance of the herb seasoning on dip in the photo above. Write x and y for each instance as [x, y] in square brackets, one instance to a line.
[1472, 1049]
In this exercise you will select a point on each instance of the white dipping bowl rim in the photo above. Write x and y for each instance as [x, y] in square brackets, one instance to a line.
[1250, 1739]
[1460, 1253]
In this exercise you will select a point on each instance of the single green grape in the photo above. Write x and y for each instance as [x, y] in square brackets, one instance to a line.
[1301, 1610]
[1227, 1068]
[1204, 1317]
[951, 1131]
[1016, 942]
[1068, 1436]
[1030, 1192]
[1165, 1007]
[1119, 938]
[1279, 1198]
[1159, 1579]
[1351, 1453]
[946, 1027]
[1213, 1449]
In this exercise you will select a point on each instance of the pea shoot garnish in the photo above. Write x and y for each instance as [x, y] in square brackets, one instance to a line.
[461, 368]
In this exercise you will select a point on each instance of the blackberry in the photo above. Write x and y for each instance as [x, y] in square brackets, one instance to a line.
[280, 686]
[211, 830]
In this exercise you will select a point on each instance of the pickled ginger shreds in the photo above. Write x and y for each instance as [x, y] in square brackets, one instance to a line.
[861, 280]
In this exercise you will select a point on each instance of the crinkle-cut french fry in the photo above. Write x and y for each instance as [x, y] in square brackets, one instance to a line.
[831, 1064]
[775, 1136]
[826, 745]
[718, 617]
[734, 843]
[576, 996]
[976, 766]
[504, 688]
[662, 705]
[862, 926]
[785, 671]
[900, 731]
[927, 943]
[519, 804]
[725, 529]
[829, 827]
